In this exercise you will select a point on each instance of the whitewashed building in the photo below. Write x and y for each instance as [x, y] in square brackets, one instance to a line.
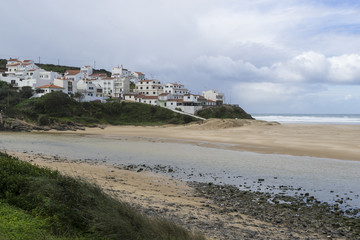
[90, 90]
[26, 74]
[214, 96]
[73, 74]
[177, 90]
[149, 87]
[68, 85]
[86, 71]
[45, 89]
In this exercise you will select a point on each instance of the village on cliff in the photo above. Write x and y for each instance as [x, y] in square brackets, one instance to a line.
[89, 86]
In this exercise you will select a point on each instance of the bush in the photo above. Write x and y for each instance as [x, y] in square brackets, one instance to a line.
[224, 111]
[43, 120]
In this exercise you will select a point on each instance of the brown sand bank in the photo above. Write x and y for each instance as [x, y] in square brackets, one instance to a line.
[328, 141]
[166, 197]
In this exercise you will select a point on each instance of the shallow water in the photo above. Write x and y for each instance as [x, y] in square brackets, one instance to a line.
[326, 179]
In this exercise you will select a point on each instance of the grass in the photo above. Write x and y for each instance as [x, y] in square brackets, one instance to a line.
[72, 208]
[17, 224]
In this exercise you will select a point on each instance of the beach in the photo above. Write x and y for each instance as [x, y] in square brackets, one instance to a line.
[161, 196]
[158, 190]
[323, 141]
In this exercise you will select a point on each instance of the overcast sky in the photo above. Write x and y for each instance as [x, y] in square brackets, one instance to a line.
[268, 56]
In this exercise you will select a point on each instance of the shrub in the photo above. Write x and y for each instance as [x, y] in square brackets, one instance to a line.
[43, 120]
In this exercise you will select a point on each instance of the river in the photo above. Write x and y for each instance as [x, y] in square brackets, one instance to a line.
[326, 179]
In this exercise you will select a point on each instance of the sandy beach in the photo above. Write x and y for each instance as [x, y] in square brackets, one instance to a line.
[324, 141]
[162, 196]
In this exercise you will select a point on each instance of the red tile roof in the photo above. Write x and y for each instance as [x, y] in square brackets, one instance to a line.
[49, 86]
[164, 94]
[140, 73]
[14, 64]
[175, 100]
[72, 72]
[98, 75]
[150, 97]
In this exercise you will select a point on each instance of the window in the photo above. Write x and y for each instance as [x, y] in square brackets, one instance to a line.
[153, 92]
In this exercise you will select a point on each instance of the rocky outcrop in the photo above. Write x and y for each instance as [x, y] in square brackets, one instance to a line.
[17, 125]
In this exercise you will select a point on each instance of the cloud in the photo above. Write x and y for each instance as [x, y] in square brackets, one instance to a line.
[273, 49]
[308, 67]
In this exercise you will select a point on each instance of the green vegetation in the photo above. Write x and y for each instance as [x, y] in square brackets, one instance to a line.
[59, 107]
[3, 63]
[16, 223]
[56, 68]
[9, 97]
[42, 201]
[224, 111]
[61, 69]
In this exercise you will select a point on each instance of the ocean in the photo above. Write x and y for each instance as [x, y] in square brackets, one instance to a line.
[348, 119]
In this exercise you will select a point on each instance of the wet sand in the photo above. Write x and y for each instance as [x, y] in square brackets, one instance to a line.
[324, 141]
[173, 199]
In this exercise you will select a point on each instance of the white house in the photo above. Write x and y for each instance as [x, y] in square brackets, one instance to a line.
[177, 90]
[214, 96]
[120, 72]
[138, 76]
[73, 74]
[96, 76]
[67, 84]
[133, 97]
[121, 87]
[152, 100]
[149, 87]
[86, 71]
[42, 90]
[26, 73]
[90, 90]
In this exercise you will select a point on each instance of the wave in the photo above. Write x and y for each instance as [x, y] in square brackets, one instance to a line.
[353, 119]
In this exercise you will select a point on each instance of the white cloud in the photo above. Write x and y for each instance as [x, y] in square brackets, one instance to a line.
[275, 49]
[348, 97]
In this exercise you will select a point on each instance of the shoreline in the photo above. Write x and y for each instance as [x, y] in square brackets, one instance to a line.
[316, 140]
[219, 212]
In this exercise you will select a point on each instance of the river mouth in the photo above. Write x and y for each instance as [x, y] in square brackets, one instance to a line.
[328, 180]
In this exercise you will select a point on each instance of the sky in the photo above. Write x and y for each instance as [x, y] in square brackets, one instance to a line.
[268, 56]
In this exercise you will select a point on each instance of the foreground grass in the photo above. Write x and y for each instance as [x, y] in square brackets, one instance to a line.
[72, 208]
[17, 224]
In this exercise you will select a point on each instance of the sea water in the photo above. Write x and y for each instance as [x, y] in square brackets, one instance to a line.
[353, 119]
[326, 179]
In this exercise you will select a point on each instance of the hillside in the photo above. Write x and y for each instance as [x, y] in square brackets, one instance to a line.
[60, 111]
[39, 203]
[224, 111]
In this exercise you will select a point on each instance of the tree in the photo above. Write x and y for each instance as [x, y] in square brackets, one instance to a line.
[26, 92]
[78, 96]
